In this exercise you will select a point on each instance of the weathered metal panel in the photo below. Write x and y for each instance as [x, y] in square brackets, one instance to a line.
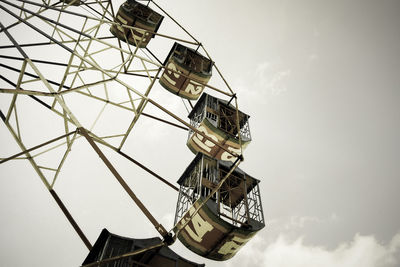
[187, 72]
[198, 143]
[134, 14]
[210, 236]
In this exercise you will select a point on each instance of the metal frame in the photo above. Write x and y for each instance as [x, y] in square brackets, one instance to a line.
[82, 46]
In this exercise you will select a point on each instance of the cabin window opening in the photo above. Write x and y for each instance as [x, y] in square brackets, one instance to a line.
[232, 198]
[212, 102]
[190, 190]
[197, 117]
[238, 200]
[228, 119]
[212, 116]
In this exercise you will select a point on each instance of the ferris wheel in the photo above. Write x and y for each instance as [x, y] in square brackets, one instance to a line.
[59, 57]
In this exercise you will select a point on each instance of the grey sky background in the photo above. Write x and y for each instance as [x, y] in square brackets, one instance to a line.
[320, 80]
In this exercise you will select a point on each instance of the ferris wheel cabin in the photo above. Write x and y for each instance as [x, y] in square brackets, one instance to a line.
[142, 18]
[109, 245]
[217, 119]
[231, 217]
[186, 72]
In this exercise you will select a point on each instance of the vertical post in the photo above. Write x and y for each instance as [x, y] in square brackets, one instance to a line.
[260, 209]
[246, 202]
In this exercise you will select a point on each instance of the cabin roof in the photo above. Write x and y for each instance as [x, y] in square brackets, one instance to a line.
[144, 12]
[225, 164]
[203, 98]
[110, 245]
[178, 46]
[189, 168]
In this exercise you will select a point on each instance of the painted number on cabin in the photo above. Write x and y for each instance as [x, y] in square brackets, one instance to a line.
[207, 145]
[202, 142]
[200, 226]
[228, 156]
[231, 247]
[174, 75]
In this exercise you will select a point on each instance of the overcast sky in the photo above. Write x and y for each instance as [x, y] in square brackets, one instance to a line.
[320, 80]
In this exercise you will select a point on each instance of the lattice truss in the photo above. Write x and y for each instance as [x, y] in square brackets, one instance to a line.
[61, 66]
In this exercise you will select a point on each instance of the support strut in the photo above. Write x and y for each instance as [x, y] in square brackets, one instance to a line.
[126, 187]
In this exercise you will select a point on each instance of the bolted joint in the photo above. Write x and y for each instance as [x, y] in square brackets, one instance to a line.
[3, 118]
[233, 97]
[238, 158]
[81, 130]
[169, 239]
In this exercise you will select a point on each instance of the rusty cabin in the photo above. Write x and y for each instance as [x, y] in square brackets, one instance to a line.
[110, 246]
[186, 72]
[144, 20]
[231, 217]
[218, 120]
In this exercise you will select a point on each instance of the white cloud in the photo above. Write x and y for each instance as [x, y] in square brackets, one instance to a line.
[300, 222]
[362, 251]
[262, 68]
[271, 77]
[297, 222]
[276, 84]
